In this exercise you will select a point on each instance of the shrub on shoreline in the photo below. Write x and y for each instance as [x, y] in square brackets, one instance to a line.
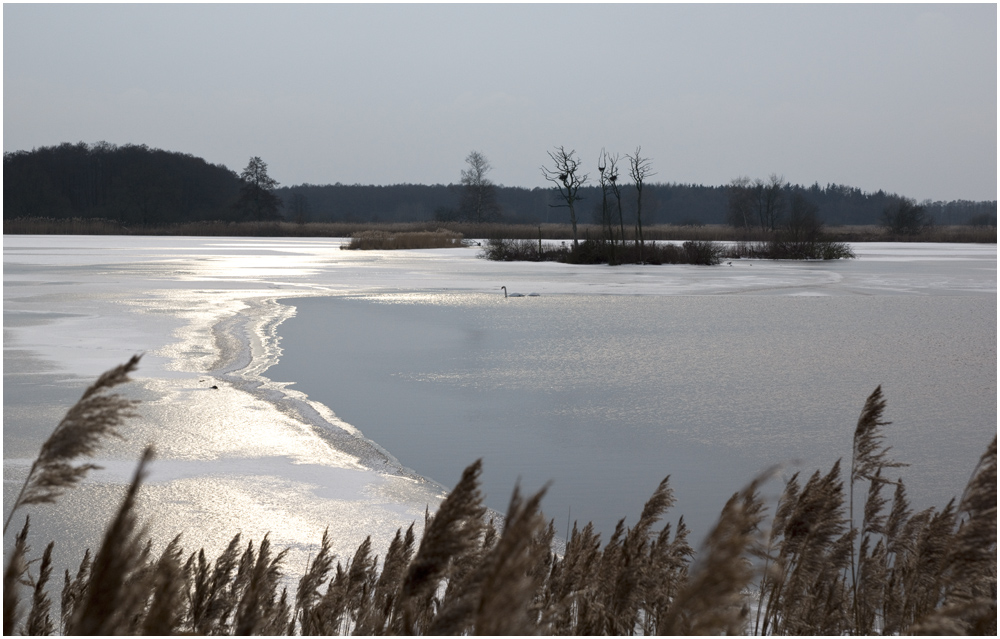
[786, 250]
[820, 567]
[656, 253]
[595, 252]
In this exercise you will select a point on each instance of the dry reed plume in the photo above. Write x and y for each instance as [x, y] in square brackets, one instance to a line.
[96, 415]
[808, 569]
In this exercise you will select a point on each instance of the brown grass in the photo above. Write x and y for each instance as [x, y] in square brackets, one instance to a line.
[810, 568]
[661, 232]
[388, 240]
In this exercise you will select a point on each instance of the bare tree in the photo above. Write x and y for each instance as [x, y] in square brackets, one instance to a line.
[608, 228]
[479, 197]
[740, 196]
[904, 216]
[756, 202]
[640, 168]
[257, 192]
[565, 174]
[616, 189]
[772, 198]
[803, 223]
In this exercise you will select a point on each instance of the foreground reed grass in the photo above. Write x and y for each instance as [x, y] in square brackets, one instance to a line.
[813, 567]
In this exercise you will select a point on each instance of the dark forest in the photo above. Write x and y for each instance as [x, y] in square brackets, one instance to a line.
[134, 184]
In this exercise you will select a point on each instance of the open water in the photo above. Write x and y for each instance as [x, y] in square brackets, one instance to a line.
[603, 396]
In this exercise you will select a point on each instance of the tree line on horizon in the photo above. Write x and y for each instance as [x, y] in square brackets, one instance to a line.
[136, 184]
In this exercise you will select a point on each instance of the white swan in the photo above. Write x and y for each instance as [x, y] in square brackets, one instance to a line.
[511, 295]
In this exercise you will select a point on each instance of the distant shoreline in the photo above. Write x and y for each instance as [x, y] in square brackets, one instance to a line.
[708, 232]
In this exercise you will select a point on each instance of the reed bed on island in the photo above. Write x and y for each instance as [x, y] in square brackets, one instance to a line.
[388, 240]
[840, 554]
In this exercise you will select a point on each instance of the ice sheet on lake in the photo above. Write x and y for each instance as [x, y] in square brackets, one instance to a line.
[254, 456]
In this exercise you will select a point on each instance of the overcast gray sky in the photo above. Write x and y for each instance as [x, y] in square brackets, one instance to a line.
[895, 97]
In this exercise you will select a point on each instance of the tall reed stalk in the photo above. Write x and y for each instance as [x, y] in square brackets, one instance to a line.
[97, 415]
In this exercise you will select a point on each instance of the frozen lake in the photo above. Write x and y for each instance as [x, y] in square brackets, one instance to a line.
[339, 372]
